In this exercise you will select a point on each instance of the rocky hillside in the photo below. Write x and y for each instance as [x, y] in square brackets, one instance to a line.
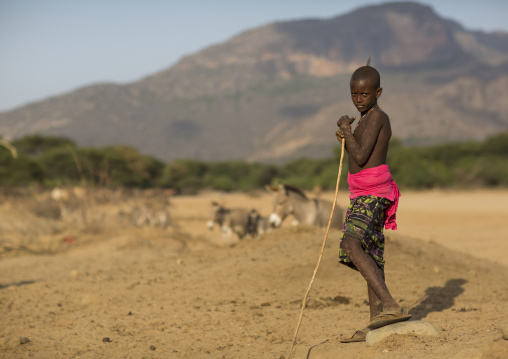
[274, 93]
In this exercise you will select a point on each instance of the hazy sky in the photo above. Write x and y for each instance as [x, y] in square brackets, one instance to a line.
[49, 47]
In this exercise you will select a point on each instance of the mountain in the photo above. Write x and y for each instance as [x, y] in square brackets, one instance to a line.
[274, 93]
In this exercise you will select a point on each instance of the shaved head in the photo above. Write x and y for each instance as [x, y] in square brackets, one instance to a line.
[367, 73]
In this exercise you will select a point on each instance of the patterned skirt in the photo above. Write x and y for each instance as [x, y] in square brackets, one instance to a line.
[365, 220]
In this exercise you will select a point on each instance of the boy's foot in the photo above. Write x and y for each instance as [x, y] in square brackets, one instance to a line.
[359, 336]
[389, 317]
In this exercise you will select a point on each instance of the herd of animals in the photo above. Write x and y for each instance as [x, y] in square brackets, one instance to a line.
[234, 223]
[288, 200]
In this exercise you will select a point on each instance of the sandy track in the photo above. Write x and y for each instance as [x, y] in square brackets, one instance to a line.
[178, 293]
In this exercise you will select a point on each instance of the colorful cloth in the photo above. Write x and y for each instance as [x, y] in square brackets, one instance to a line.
[378, 182]
[364, 220]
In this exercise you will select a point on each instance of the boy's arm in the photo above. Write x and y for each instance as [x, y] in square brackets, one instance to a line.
[339, 134]
[361, 151]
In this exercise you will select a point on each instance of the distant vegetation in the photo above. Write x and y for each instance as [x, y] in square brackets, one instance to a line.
[56, 161]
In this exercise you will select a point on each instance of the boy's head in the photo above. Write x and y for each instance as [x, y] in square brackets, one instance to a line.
[367, 73]
[365, 88]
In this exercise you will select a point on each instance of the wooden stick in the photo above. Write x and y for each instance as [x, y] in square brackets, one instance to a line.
[322, 250]
[10, 147]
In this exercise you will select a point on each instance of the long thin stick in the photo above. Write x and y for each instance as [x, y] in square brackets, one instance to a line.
[322, 250]
[10, 147]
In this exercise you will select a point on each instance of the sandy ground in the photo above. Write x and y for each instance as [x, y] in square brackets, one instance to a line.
[109, 289]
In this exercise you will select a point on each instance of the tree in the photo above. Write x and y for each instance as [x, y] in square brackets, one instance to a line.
[35, 145]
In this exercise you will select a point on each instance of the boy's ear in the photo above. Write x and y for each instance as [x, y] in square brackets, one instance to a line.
[379, 91]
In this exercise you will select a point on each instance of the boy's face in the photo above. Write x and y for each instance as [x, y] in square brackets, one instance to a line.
[364, 94]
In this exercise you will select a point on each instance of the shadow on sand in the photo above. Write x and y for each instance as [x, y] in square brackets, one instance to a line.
[18, 284]
[437, 299]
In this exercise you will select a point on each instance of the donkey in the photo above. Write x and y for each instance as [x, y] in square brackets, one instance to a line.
[258, 225]
[230, 220]
[291, 200]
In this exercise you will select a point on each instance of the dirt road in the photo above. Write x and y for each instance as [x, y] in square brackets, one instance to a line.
[139, 292]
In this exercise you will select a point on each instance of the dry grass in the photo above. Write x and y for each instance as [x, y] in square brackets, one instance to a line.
[37, 222]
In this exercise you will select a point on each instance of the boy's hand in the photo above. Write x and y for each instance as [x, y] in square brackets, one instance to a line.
[339, 135]
[345, 122]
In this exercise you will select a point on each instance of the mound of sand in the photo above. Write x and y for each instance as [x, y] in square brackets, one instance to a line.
[176, 293]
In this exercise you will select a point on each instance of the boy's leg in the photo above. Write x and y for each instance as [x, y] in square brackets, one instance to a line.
[371, 272]
[376, 306]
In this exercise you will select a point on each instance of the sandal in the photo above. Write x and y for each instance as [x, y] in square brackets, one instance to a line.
[389, 317]
[359, 336]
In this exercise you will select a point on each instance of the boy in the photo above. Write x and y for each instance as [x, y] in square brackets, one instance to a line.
[373, 200]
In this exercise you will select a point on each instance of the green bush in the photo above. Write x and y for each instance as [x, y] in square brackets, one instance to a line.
[184, 174]
[34, 145]
[123, 166]
[22, 171]
[55, 161]
[59, 166]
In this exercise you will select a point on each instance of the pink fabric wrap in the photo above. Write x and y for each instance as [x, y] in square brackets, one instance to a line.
[376, 182]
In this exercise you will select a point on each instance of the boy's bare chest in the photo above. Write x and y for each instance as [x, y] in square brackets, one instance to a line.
[360, 132]
[366, 131]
